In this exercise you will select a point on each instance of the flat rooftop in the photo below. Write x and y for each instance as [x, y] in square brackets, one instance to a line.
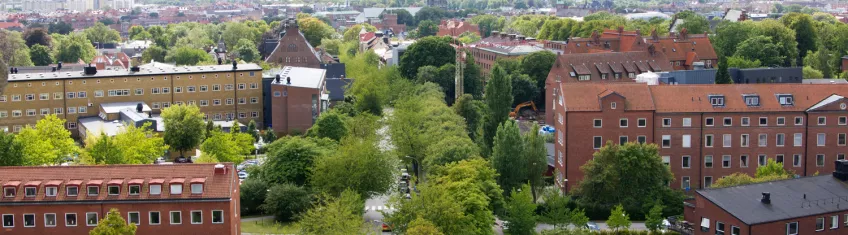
[301, 77]
[125, 73]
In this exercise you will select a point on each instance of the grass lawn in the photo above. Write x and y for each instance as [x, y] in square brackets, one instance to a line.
[268, 227]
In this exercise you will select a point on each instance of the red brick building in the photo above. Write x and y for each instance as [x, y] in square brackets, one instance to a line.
[454, 28]
[159, 199]
[389, 22]
[808, 205]
[298, 97]
[682, 49]
[293, 49]
[705, 132]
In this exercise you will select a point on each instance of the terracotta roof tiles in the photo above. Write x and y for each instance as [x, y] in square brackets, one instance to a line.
[587, 96]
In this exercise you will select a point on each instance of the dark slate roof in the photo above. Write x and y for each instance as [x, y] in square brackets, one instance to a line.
[337, 87]
[787, 199]
[335, 70]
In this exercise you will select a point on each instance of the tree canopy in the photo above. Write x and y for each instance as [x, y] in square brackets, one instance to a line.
[433, 51]
[47, 143]
[113, 224]
[184, 127]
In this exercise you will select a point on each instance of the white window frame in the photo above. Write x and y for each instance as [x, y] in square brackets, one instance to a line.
[641, 122]
[666, 122]
[762, 162]
[744, 140]
[191, 216]
[727, 140]
[821, 139]
[709, 140]
[171, 217]
[626, 122]
[601, 140]
[711, 161]
[34, 220]
[686, 141]
[788, 225]
[799, 121]
[709, 119]
[151, 191]
[55, 220]
[175, 191]
[762, 140]
[27, 190]
[47, 191]
[798, 162]
[3, 217]
[95, 215]
[109, 190]
[595, 121]
[778, 137]
[823, 157]
[88, 191]
[798, 139]
[198, 184]
[222, 216]
[728, 159]
[822, 121]
[743, 161]
[746, 121]
[68, 192]
[685, 162]
[761, 121]
[834, 222]
[687, 122]
[664, 138]
[727, 121]
[150, 217]
[76, 220]
[822, 223]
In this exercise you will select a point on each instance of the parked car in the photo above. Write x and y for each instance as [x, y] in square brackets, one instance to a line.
[243, 175]
[593, 226]
[384, 226]
[404, 176]
[159, 160]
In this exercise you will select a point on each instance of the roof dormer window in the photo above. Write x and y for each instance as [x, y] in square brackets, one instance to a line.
[752, 100]
[717, 100]
[785, 99]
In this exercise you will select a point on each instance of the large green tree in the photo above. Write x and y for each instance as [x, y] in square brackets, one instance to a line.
[154, 53]
[314, 30]
[187, 56]
[760, 48]
[100, 33]
[472, 111]
[40, 55]
[10, 154]
[536, 156]
[252, 193]
[358, 165]
[14, 49]
[287, 200]
[805, 33]
[113, 224]
[508, 156]
[72, 48]
[37, 36]
[632, 175]
[48, 143]
[334, 216]
[472, 80]
[228, 147]
[694, 23]
[184, 127]
[289, 159]
[433, 51]
[498, 101]
[521, 212]
[330, 125]
[247, 51]
[427, 28]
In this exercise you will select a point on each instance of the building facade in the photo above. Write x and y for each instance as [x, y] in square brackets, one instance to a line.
[704, 132]
[292, 49]
[808, 205]
[298, 96]
[159, 199]
[222, 92]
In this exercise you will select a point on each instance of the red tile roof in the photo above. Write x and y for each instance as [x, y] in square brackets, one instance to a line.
[217, 186]
[587, 96]
[694, 98]
[618, 62]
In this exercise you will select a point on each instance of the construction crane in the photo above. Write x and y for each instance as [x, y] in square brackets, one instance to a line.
[529, 112]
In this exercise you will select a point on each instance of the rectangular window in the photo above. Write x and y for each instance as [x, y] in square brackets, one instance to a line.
[135, 189]
[154, 218]
[93, 190]
[728, 121]
[641, 139]
[708, 161]
[134, 218]
[190, 88]
[196, 188]
[687, 141]
[204, 88]
[641, 122]
[792, 228]
[155, 189]
[178, 89]
[781, 121]
[822, 121]
[709, 122]
[725, 161]
[840, 140]
[799, 121]
[840, 156]
[708, 182]
[820, 224]
[666, 122]
[666, 141]
[763, 121]
[622, 140]
[114, 190]
[761, 159]
[50, 220]
[70, 219]
[91, 218]
[819, 160]
[779, 159]
[176, 217]
[29, 220]
[735, 230]
[744, 140]
[780, 140]
[796, 160]
[217, 217]
[843, 121]
[708, 141]
[834, 222]
[726, 140]
[687, 122]
[820, 138]
[8, 221]
[196, 217]
[30, 191]
[622, 122]
[797, 139]
[72, 191]
[596, 142]
[176, 189]
[716, 100]
[666, 160]
[138, 91]
[686, 161]
[50, 191]
[763, 140]
[684, 182]
[752, 100]
[743, 161]
[746, 121]
[597, 123]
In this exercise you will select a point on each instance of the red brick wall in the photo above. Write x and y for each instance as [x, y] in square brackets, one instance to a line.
[292, 111]
[301, 50]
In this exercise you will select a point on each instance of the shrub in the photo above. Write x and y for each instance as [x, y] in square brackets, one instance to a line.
[252, 193]
[285, 201]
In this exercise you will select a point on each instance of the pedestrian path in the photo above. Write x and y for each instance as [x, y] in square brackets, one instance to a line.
[378, 208]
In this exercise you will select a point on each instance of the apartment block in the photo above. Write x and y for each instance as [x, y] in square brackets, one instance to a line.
[158, 199]
[704, 132]
[222, 92]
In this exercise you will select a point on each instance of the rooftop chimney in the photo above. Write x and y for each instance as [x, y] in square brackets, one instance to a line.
[766, 198]
[841, 171]
[90, 70]
[59, 66]
[220, 61]
[288, 80]
[139, 107]
[235, 65]
[53, 68]
[277, 79]
[220, 169]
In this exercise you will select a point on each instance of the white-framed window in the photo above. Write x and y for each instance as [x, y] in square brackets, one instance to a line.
[29, 220]
[134, 217]
[708, 161]
[196, 188]
[176, 217]
[781, 121]
[780, 140]
[719, 225]
[30, 191]
[708, 182]
[763, 121]
[763, 140]
[797, 139]
[743, 161]
[819, 160]
[796, 160]
[113, 189]
[799, 121]
[735, 230]
[51, 191]
[154, 218]
[822, 121]
[726, 140]
[641, 122]
[8, 220]
[834, 222]
[728, 121]
[666, 160]
[217, 216]
[139, 91]
[725, 161]
[840, 139]
[204, 88]
[155, 189]
[71, 191]
[686, 162]
[91, 218]
[708, 141]
[176, 189]
[93, 190]
[666, 141]
[762, 160]
[820, 224]
[622, 122]
[597, 123]
[622, 140]
[613, 105]
[70, 219]
[792, 228]
[597, 142]
[820, 139]
[666, 122]
[687, 122]
[779, 159]
[684, 182]
[687, 141]
[709, 122]
[134, 189]
[50, 220]
[196, 217]
[743, 140]
[746, 121]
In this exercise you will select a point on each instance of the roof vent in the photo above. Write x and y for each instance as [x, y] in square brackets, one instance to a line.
[766, 198]
[841, 171]
[220, 169]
